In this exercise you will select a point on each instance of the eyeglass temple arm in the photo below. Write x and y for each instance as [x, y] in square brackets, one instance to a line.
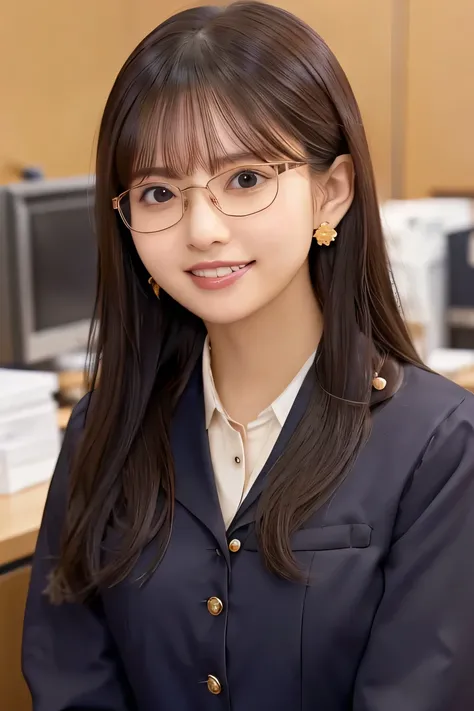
[289, 165]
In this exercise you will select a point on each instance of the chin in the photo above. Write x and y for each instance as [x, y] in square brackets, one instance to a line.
[223, 314]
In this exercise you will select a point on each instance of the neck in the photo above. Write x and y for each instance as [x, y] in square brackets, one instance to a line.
[254, 360]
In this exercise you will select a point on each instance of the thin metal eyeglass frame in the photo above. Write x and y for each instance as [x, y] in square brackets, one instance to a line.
[283, 165]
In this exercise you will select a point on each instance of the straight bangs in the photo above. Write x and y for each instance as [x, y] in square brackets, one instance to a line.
[181, 121]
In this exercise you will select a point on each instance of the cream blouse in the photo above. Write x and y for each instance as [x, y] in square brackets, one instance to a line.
[239, 453]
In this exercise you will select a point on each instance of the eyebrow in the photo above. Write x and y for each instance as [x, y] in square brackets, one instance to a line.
[221, 161]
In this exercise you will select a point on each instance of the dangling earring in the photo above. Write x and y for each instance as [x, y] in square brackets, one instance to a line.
[155, 287]
[325, 234]
[378, 382]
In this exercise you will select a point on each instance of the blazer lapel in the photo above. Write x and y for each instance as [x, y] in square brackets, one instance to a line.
[246, 512]
[393, 373]
[195, 486]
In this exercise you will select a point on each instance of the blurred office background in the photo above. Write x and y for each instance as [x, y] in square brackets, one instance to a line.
[410, 63]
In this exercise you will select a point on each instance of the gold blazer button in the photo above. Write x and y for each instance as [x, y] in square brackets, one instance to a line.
[214, 685]
[234, 545]
[215, 606]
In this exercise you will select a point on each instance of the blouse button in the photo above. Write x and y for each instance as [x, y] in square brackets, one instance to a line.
[214, 685]
[237, 460]
[234, 545]
[215, 606]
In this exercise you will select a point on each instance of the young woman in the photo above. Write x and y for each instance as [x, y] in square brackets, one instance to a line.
[267, 503]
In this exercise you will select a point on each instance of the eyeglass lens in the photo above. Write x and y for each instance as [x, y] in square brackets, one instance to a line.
[156, 205]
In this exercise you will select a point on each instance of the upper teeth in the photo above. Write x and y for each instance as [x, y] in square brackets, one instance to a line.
[218, 272]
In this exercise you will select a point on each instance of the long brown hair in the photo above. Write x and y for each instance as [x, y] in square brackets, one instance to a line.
[276, 85]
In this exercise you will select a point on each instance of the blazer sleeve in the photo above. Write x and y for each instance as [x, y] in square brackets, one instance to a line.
[68, 657]
[420, 654]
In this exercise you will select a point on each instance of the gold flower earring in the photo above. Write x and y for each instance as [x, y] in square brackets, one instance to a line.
[325, 234]
[155, 287]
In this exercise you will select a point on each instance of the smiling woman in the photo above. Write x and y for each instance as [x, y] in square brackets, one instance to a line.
[233, 513]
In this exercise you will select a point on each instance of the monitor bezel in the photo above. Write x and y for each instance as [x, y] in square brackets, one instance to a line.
[29, 344]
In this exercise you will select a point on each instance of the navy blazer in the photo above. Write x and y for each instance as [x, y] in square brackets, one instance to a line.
[384, 622]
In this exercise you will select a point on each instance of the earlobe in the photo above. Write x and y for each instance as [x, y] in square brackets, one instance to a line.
[338, 189]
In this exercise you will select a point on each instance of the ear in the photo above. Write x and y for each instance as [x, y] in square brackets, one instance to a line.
[334, 192]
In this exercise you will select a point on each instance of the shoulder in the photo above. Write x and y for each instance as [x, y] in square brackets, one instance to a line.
[425, 400]
[438, 415]
[79, 413]
[76, 423]
[436, 390]
[432, 413]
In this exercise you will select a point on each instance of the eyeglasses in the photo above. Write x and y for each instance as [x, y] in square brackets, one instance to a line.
[156, 206]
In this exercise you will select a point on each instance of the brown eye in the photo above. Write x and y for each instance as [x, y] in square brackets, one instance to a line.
[246, 179]
[157, 194]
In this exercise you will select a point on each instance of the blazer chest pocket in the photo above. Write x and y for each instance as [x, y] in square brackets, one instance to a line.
[323, 538]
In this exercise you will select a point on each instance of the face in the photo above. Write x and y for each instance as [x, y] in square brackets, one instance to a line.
[225, 268]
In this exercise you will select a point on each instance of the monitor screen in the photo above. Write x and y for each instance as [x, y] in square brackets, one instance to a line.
[63, 261]
[48, 242]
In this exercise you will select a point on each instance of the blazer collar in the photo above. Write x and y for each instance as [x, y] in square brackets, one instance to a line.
[195, 486]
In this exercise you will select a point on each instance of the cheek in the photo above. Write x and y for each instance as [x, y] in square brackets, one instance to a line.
[157, 254]
[283, 233]
[296, 206]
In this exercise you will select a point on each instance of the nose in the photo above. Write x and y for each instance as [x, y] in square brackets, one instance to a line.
[206, 224]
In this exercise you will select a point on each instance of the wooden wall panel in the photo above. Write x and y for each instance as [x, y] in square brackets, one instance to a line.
[439, 149]
[57, 62]
[14, 694]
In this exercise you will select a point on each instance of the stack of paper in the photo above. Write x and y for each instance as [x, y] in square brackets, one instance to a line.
[29, 434]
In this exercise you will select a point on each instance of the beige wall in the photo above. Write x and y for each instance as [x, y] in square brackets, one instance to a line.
[439, 150]
[58, 60]
[410, 63]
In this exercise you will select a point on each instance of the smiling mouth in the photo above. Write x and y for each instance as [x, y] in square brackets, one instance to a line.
[218, 271]
[220, 276]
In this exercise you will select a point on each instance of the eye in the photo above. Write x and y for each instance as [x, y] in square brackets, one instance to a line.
[246, 179]
[156, 195]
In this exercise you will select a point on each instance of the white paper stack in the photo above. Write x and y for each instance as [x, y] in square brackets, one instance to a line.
[29, 435]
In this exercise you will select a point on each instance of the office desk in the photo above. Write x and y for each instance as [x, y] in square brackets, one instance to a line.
[20, 519]
[466, 379]
[20, 516]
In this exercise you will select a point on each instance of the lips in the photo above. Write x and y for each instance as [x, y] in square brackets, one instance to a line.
[210, 276]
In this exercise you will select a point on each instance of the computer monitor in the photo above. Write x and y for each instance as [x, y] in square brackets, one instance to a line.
[48, 244]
